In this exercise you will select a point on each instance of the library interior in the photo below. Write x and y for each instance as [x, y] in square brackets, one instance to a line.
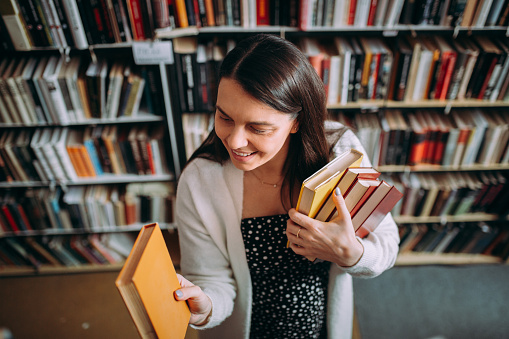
[103, 102]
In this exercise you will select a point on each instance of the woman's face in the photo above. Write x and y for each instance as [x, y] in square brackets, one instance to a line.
[253, 133]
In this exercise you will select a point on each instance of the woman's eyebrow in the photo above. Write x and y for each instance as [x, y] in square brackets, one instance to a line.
[263, 123]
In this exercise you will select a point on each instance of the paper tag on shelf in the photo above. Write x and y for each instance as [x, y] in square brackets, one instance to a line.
[152, 52]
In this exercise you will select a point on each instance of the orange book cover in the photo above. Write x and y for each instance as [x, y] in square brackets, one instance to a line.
[318, 187]
[209, 11]
[370, 204]
[147, 283]
[83, 153]
[180, 5]
[382, 209]
[76, 161]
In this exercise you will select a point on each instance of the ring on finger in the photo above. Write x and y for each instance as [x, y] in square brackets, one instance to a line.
[300, 229]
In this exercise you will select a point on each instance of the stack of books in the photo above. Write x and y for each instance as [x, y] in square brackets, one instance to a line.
[367, 198]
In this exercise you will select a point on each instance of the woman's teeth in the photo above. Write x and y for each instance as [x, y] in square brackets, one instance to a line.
[241, 153]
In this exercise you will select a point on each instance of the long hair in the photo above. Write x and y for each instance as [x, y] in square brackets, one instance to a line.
[278, 74]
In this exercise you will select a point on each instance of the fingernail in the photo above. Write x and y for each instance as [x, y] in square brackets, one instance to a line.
[338, 191]
[179, 294]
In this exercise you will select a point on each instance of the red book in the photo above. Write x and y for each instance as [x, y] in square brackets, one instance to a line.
[262, 13]
[372, 12]
[304, 14]
[151, 158]
[370, 204]
[448, 76]
[351, 12]
[10, 219]
[136, 19]
[351, 175]
[377, 214]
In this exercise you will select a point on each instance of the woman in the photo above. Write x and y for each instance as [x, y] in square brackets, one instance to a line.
[234, 212]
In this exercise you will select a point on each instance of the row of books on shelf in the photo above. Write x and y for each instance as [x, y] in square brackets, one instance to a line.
[367, 69]
[451, 194]
[85, 208]
[388, 13]
[466, 238]
[410, 68]
[66, 154]
[58, 90]
[65, 251]
[307, 14]
[77, 23]
[460, 139]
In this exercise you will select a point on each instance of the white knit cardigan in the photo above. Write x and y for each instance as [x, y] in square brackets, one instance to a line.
[208, 215]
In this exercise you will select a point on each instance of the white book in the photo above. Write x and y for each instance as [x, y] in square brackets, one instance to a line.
[474, 144]
[36, 146]
[58, 25]
[481, 14]
[503, 73]
[60, 147]
[362, 13]
[422, 75]
[335, 79]
[114, 90]
[50, 78]
[393, 13]
[15, 25]
[337, 16]
[346, 51]
[48, 139]
[45, 7]
[75, 23]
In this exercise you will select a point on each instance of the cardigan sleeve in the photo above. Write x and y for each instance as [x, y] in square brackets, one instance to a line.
[204, 257]
[380, 246]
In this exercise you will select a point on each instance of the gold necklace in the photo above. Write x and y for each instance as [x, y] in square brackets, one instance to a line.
[266, 183]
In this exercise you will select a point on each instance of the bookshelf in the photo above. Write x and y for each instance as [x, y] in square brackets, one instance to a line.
[117, 35]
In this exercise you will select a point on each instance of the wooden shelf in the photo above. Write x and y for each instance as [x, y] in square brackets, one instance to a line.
[470, 217]
[111, 229]
[445, 104]
[99, 180]
[439, 168]
[423, 258]
[7, 271]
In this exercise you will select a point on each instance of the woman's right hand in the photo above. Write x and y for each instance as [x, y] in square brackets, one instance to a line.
[199, 303]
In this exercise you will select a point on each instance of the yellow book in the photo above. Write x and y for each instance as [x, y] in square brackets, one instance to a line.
[147, 283]
[316, 189]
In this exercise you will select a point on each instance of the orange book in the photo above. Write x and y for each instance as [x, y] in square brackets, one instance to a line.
[147, 283]
[76, 161]
[381, 210]
[209, 11]
[82, 151]
[316, 189]
[180, 5]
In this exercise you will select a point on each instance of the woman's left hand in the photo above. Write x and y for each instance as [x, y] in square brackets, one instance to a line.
[332, 241]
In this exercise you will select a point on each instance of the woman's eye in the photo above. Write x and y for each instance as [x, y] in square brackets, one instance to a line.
[259, 131]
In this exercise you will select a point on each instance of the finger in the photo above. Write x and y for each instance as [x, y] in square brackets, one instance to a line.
[299, 218]
[191, 292]
[339, 201]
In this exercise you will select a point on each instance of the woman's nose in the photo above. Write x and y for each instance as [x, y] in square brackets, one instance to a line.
[237, 138]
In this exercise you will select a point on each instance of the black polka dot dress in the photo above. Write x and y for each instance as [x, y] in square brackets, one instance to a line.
[289, 291]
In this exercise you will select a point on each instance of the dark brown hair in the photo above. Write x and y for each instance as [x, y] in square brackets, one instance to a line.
[277, 73]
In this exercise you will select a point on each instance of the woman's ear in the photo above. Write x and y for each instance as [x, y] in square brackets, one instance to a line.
[295, 127]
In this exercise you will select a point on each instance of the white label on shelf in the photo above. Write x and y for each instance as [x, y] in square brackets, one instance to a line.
[152, 52]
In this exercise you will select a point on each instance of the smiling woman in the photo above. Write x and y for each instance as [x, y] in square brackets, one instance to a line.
[234, 212]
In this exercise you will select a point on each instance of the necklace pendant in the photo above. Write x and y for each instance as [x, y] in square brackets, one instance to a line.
[275, 186]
